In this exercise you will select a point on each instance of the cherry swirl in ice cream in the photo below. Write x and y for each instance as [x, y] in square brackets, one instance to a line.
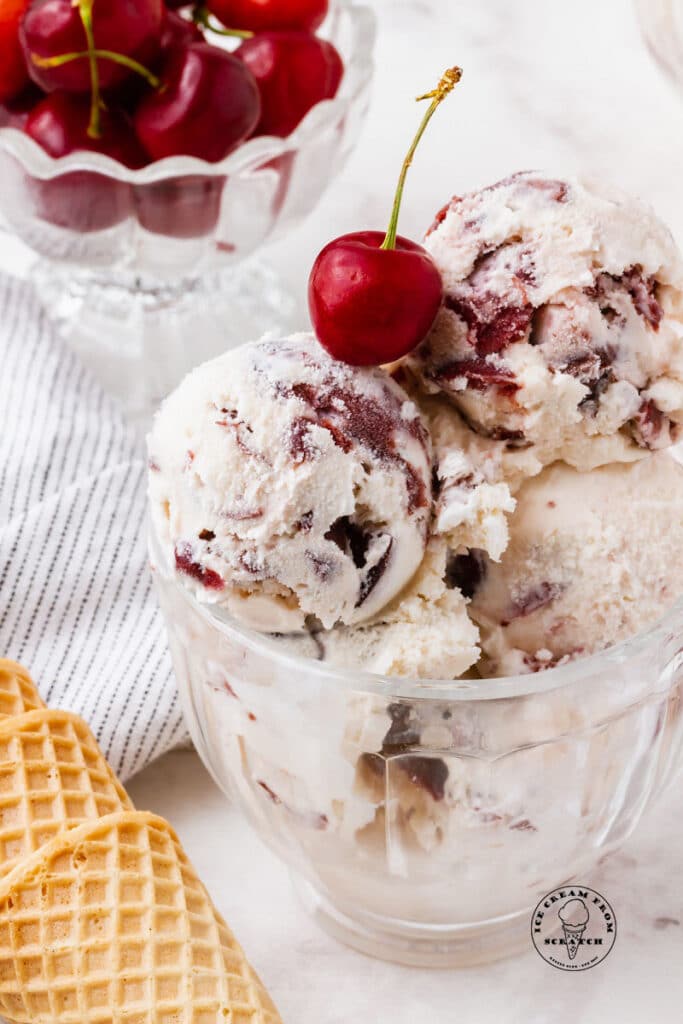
[288, 485]
[562, 327]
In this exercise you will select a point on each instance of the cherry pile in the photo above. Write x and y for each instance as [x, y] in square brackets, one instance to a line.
[140, 80]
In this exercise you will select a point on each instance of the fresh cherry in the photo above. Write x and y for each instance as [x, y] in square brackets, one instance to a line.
[54, 28]
[177, 31]
[14, 112]
[208, 104]
[373, 297]
[270, 15]
[294, 71]
[81, 201]
[13, 71]
[60, 125]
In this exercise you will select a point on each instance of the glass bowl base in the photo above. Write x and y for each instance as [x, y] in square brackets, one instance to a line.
[414, 945]
[140, 335]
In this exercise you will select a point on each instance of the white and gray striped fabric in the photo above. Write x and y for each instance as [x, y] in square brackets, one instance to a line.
[76, 600]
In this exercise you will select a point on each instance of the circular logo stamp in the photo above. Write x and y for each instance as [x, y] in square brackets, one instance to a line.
[573, 928]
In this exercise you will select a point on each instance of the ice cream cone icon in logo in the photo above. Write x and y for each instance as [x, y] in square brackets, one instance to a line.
[574, 916]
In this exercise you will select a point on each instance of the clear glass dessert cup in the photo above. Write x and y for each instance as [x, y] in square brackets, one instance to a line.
[148, 273]
[423, 821]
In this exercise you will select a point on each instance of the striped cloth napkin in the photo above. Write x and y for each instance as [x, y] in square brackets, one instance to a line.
[76, 600]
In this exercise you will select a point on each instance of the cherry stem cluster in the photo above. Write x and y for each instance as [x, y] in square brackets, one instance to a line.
[448, 82]
[201, 16]
[92, 54]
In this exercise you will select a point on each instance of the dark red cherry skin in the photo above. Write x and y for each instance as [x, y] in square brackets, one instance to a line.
[208, 105]
[177, 31]
[270, 15]
[52, 27]
[60, 125]
[294, 71]
[81, 201]
[14, 113]
[371, 305]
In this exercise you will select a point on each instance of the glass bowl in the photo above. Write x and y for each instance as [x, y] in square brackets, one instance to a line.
[661, 22]
[146, 273]
[423, 821]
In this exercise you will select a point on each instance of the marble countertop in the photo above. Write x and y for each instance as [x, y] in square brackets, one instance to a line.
[566, 87]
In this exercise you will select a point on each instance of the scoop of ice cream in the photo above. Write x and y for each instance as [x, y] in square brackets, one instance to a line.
[593, 559]
[424, 633]
[471, 501]
[574, 913]
[561, 335]
[285, 485]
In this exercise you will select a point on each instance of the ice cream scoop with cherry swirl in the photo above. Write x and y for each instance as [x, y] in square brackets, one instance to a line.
[561, 334]
[285, 485]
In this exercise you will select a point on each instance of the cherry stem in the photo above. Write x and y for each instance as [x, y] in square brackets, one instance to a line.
[117, 58]
[201, 16]
[85, 11]
[448, 82]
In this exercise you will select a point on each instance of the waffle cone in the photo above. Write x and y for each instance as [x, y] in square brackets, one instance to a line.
[109, 923]
[18, 692]
[53, 776]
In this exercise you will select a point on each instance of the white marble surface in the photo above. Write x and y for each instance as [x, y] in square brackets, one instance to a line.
[565, 86]
[316, 981]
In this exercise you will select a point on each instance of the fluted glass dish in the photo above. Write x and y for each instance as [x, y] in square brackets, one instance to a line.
[661, 23]
[423, 821]
[148, 273]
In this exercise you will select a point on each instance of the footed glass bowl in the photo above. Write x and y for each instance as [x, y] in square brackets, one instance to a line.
[423, 821]
[147, 273]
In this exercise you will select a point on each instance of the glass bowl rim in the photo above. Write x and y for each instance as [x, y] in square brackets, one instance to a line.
[404, 687]
[358, 73]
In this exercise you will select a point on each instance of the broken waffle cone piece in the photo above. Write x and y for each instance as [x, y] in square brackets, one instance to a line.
[53, 776]
[109, 921]
[18, 692]
[102, 917]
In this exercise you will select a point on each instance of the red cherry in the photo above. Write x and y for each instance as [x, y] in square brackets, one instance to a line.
[371, 305]
[177, 31]
[13, 70]
[81, 201]
[14, 113]
[51, 28]
[60, 125]
[269, 15]
[208, 105]
[294, 71]
[374, 297]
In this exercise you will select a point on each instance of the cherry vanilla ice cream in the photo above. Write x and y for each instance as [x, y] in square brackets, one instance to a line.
[561, 334]
[287, 485]
[593, 559]
[499, 499]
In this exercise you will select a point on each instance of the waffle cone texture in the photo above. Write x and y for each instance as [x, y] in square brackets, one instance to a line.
[103, 919]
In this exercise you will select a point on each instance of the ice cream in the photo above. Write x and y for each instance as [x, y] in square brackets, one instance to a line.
[424, 633]
[574, 917]
[562, 330]
[593, 559]
[362, 515]
[286, 485]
